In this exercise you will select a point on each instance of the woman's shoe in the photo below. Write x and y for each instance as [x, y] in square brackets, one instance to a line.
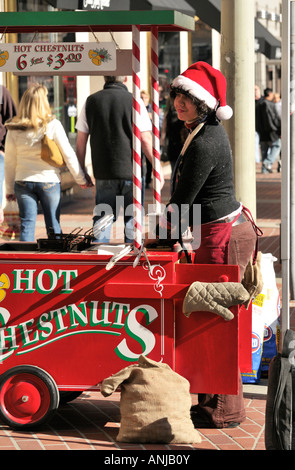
[266, 167]
[201, 422]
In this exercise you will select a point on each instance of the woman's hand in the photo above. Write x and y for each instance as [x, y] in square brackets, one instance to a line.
[10, 197]
[89, 183]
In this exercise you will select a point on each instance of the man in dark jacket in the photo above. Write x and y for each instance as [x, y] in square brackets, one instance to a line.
[107, 119]
[269, 129]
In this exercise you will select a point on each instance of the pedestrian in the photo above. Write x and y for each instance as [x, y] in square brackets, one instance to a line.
[269, 129]
[203, 176]
[258, 99]
[173, 134]
[107, 118]
[149, 167]
[29, 179]
[7, 111]
[145, 96]
[162, 106]
[278, 102]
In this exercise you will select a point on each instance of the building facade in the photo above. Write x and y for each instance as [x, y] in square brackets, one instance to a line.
[268, 70]
[176, 50]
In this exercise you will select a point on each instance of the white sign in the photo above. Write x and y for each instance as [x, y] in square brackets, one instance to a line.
[123, 67]
[58, 58]
[96, 4]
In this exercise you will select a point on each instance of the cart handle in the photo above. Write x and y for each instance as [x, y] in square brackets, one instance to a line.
[115, 258]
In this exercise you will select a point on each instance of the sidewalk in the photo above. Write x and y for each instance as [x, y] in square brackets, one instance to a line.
[91, 421]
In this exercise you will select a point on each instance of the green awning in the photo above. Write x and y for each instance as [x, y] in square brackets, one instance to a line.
[77, 21]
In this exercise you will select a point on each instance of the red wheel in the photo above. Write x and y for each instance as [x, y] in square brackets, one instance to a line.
[28, 397]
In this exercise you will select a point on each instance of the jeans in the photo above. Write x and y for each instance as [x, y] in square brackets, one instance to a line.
[220, 410]
[269, 153]
[28, 194]
[111, 195]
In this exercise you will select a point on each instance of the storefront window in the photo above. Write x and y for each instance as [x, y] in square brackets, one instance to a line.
[169, 54]
[202, 43]
[32, 5]
[169, 64]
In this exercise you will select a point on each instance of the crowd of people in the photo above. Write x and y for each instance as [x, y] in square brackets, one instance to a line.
[31, 181]
[106, 118]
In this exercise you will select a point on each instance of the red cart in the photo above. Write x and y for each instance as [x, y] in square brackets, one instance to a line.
[67, 321]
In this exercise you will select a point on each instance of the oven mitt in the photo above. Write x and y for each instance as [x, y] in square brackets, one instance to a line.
[155, 404]
[214, 297]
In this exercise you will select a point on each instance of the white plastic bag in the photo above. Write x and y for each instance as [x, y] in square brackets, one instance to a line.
[271, 311]
[265, 321]
[10, 227]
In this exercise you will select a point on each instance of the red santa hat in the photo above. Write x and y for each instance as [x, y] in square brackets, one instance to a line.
[204, 82]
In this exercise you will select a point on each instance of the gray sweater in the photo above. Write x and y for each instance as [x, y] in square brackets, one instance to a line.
[204, 175]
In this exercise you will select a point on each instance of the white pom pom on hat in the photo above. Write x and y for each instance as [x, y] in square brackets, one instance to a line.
[208, 84]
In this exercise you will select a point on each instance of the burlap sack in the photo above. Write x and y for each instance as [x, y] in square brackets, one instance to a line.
[155, 404]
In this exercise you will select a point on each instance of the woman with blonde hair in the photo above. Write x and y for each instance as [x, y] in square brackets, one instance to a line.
[28, 178]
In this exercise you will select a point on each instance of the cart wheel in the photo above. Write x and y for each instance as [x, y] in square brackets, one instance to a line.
[28, 397]
[66, 396]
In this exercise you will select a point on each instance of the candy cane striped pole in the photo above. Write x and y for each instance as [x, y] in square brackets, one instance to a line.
[137, 199]
[156, 125]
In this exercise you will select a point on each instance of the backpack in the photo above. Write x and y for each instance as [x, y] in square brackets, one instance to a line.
[280, 402]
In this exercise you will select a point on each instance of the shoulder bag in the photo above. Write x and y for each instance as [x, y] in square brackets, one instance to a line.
[50, 153]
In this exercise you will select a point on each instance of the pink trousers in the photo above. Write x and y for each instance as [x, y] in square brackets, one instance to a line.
[225, 243]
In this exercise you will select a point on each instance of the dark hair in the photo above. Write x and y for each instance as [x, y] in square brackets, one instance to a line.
[267, 91]
[203, 109]
[114, 79]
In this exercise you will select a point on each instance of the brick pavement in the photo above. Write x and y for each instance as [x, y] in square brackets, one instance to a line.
[91, 422]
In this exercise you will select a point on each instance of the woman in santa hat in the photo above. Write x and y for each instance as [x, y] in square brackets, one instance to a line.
[203, 176]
